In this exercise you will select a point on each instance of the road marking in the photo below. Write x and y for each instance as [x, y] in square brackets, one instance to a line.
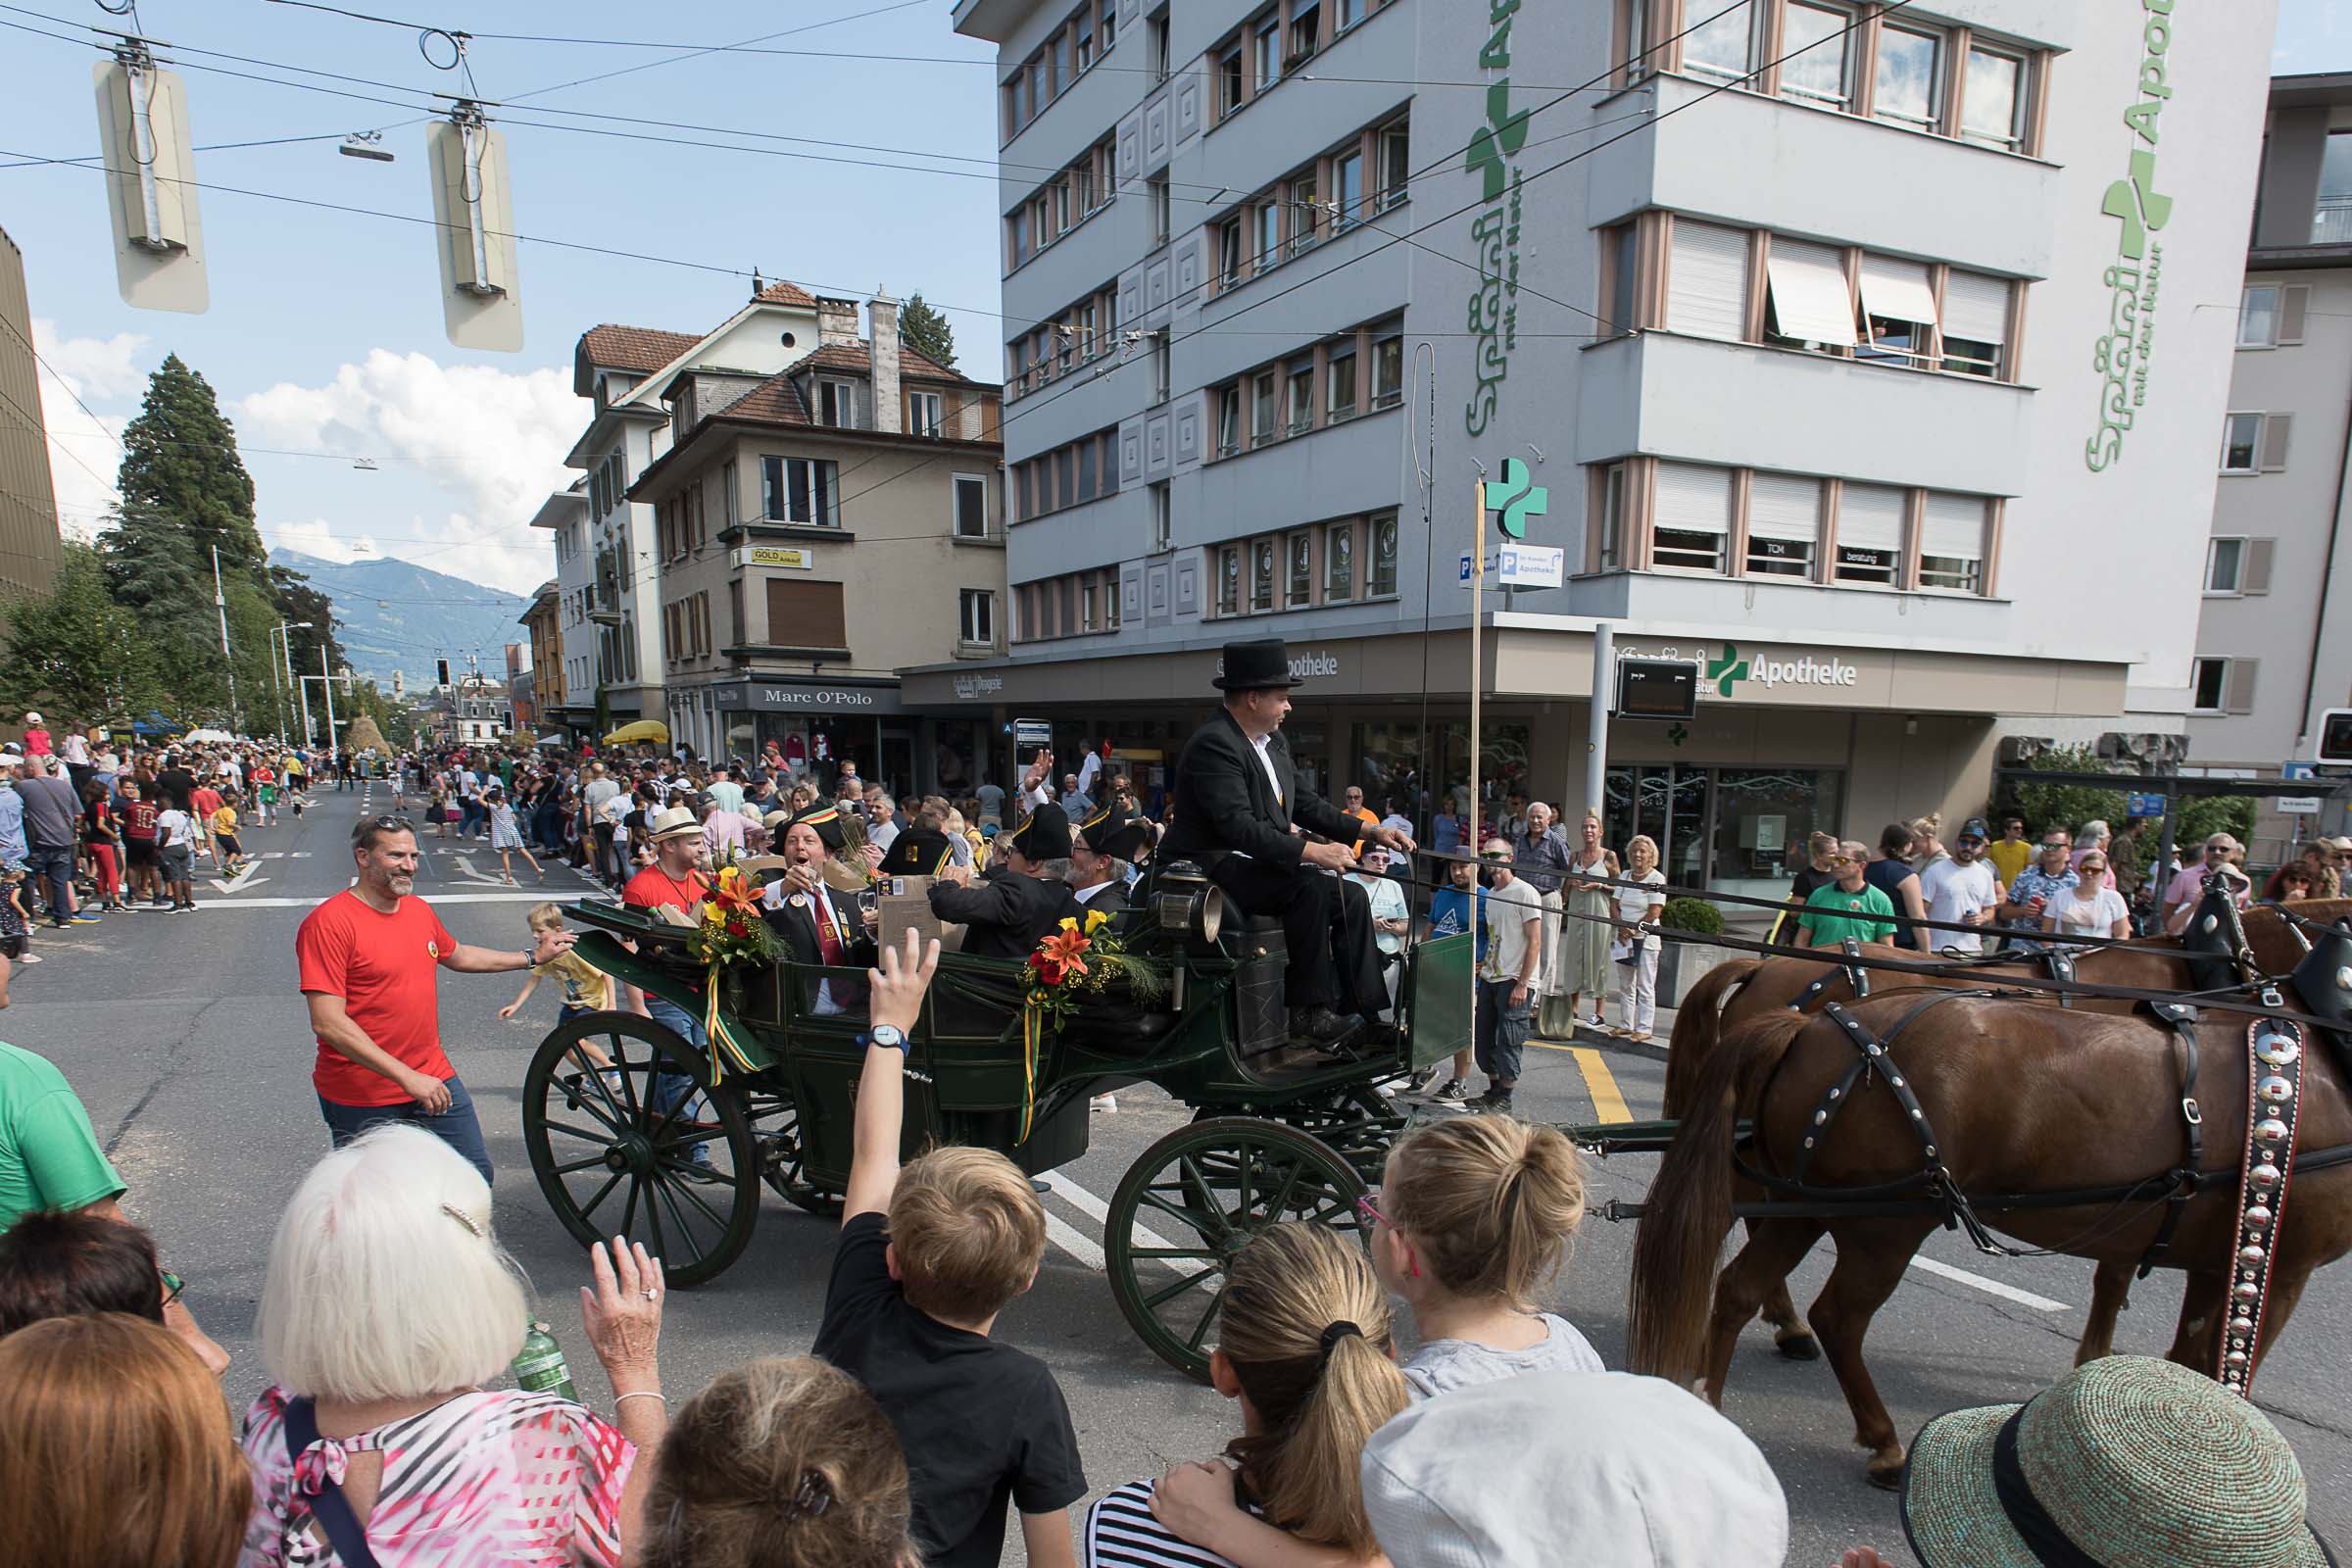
[1608, 1104]
[284, 855]
[1095, 1208]
[2007, 1293]
[1067, 1237]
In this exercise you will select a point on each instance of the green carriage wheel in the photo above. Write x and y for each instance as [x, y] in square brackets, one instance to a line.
[783, 1156]
[1191, 1202]
[612, 1161]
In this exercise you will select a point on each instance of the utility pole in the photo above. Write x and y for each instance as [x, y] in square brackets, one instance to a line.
[220, 604]
[1477, 601]
[1604, 697]
[326, 683]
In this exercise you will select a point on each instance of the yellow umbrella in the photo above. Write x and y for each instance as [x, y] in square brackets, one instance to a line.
[645, 731]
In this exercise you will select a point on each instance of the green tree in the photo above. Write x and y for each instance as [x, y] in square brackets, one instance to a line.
[77, 653]
[926, 332]
[2067, 806]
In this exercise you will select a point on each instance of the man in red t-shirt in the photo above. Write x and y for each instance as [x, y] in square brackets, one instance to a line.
[144, 867]
[673, 881]
[368, 958]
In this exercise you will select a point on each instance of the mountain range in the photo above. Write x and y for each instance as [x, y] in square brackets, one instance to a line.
[391, 616]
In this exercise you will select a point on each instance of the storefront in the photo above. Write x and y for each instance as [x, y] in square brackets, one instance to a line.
[1788, 739]
[819, 725]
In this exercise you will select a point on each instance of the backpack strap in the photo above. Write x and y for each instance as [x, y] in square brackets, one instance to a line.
[328, 1505]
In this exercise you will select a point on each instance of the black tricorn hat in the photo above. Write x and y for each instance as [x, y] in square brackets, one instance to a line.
[1255, 666]
[916, 852]
[1115, 834]
[1043, 835]
[826, 820]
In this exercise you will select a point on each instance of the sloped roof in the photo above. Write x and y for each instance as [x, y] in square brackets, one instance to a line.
[783, 293]
[774, 401]
[640, 349]
[859, 359]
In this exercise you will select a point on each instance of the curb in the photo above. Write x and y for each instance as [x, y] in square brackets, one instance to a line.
[1653, 1050]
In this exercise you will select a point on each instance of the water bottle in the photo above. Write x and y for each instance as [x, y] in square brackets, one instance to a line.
[539, 1368]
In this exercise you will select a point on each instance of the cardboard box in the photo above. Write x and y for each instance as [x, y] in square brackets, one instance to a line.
[906, 902]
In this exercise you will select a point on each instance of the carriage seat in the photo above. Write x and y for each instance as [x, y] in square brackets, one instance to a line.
[2323, 984]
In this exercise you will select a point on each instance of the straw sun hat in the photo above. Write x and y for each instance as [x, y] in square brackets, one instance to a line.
[2129, 1463]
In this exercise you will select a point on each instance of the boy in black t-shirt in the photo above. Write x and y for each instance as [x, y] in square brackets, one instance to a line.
[929, 1255]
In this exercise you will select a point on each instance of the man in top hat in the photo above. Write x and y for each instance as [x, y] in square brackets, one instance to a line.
[1242, 813]
[818, 925]
[1006, 915]
[1106, 844]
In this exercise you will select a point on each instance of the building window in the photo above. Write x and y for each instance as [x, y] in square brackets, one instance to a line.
[1110, 600]
[1229, 420]
[1898, 312]
[1086, 35]
[1268, 219]
[2258, 316]
[1299, 587]
[1020, 223]
[1229, 83]
[1388, 370]
[802, 490]
[1028, 491]
[2331, 218]
[1162, 519]
[1692, 521]
[2225, 566]
[1156, 347]
[1155, 47]
[1339, 394]
[2222, 685]
[1339, 563]
[2254, 443]
[1869, 533]
[1718, 48]
[1307, 26]
[971, 505]
[1395, 166]
[1266, 51]
[1347, 189]
[1229, 252]
[805, 614]
[1975, 324]
[1305, 194]
[1088, 595]
[1610, 555]
[1261, 575]
[1951, 543]
[1706, 289]
[924, 413]
[1806, 300]
[1992, 101]
[1383, 557]
[1088, 485]
[1815, 54]
[1784, 525]
[1155, 192]
[1229, 580]
[1907, 87]
[1301, 397]
[1265, 426]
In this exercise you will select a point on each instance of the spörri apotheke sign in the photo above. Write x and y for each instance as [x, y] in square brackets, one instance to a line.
[1729, 668]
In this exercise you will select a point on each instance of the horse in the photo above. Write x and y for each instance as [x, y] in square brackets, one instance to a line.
[1734, 992]
[2015, 1097]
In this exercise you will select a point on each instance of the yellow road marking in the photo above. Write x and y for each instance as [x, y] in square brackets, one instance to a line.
[1608, 1103]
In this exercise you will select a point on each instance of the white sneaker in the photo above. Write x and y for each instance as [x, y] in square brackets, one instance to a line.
[29, 957]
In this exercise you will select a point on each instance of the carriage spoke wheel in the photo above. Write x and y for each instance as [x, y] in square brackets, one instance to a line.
[1358, 1122]
[783, 1158]
[1195, 1199]
[627, 1139]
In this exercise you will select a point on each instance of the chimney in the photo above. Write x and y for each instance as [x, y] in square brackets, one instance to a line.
[882, 312]
[836, 321]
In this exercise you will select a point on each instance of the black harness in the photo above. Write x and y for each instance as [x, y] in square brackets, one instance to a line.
[1855, 969]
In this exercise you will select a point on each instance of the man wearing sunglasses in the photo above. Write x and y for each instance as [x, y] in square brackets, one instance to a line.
[2221, 851]
[367, 958]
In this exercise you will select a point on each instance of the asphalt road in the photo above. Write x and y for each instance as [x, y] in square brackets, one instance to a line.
[185, 1038]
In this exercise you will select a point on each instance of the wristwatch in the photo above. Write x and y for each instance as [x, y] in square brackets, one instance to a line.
[886, 1034]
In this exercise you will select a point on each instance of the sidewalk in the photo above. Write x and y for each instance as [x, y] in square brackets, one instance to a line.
[1655, 1049]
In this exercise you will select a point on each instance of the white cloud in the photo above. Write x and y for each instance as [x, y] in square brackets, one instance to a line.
[318, 537]
[490, 440]
[82, 449]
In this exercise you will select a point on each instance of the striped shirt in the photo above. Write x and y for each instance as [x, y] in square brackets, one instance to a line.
[1120, 1533]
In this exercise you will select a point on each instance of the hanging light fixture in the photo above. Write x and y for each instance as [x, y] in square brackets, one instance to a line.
[151, 174]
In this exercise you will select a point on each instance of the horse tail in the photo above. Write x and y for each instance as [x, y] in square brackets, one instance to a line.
[1698, 1026]
[1689, 1209]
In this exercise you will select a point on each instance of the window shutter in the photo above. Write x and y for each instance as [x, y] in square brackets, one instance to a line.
[1692, 499]
[1898, 290]
[2237, 685]
[1706, 287]
[1870, 517]
[1953, 526]
[2254, 567]
[1785, 506]
[1809, 297]
[2275, 431]
[1976, 307]
[806, 614]
[2294, 302]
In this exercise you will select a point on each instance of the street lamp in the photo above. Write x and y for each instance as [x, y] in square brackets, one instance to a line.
[285, 643]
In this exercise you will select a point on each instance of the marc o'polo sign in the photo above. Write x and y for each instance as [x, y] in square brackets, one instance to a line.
[2121, 353]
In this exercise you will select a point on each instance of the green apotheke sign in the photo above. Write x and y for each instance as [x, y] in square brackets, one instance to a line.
[1493, 310]
[2121, 352]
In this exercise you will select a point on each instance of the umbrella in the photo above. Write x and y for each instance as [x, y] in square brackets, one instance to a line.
[208, 737]
[645, 731]
[549, 739]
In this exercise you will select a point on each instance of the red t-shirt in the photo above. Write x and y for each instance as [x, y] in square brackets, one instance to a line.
[138, 820]
[206, 799]
[653, 887]
[382, 966]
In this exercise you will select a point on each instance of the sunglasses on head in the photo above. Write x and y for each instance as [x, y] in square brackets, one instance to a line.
[383, 824]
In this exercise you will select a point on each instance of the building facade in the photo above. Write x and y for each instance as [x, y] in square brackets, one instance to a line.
[817, 528]
[28, 526]
[2275, 630]
[544, 619]
[1825, 347]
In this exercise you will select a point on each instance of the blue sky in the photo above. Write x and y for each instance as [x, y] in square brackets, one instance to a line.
[324, 334]
[324, 337]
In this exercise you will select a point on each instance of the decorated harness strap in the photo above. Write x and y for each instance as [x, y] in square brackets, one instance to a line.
[1857, 978]
[2273, 1106]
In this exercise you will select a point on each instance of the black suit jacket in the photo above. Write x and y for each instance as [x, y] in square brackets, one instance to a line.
[795, 926]
[1004, 916]
[1224, 801]
[1112, 900]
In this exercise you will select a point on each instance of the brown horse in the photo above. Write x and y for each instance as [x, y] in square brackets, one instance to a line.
[1734, 992]
[2020, 1097]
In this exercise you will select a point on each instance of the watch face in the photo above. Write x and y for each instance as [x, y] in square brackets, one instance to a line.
[888, 1035]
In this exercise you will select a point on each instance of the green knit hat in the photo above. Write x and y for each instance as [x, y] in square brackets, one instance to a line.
[2127, 1463]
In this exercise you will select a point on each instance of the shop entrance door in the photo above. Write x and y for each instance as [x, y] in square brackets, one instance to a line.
[1673, 804]
[898, 758]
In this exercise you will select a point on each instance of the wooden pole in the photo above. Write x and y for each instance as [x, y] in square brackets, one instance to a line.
[1478, 600]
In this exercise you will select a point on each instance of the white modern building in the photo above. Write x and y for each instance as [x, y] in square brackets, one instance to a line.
[583, 651]
[2273, 644]
[1857, 353]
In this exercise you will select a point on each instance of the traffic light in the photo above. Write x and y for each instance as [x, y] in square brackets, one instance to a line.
[441, 671]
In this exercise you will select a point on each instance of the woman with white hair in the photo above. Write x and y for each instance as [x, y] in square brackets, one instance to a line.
[386, 1308]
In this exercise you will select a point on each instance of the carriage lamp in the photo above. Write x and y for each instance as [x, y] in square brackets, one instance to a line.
[1187, 900]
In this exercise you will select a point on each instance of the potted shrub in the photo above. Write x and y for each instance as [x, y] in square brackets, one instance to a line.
[1681, 963]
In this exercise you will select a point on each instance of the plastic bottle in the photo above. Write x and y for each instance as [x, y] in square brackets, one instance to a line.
[540, 1369]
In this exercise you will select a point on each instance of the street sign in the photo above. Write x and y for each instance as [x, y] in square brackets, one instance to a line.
[1027, 733]
[1521, 566]
[2299, 805]
[1657, 688]
[2143, 803]
[2296, 770]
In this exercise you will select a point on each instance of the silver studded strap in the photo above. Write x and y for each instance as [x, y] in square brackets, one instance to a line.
[2274, 1101]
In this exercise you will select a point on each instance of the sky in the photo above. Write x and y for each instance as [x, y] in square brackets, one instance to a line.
[324, 337]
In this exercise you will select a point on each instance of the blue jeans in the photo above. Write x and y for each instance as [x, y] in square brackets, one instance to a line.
[56, 866]
[671, 1088]
[457, 1126]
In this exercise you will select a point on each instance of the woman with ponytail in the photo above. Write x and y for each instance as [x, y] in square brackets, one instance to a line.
[1473, 1219]
[1304, 1346]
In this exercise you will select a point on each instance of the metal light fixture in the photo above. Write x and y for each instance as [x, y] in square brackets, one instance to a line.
[367, 144]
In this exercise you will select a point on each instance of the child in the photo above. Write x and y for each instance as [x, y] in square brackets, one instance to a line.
[929, 1255]
[1304, 1343]
[439, 810]
[265, 794]
[506, 834]
[586, 988]
[226, 850]
[16, 923]
[176, 834]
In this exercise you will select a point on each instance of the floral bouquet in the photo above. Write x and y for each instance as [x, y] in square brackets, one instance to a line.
[732, 932]
[1082, 957]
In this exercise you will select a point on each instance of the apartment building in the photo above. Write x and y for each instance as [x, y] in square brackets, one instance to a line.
[587, 659]
[817, 528]
[1824, 342]
[2273, 646]
[544, 672]
[28, 528]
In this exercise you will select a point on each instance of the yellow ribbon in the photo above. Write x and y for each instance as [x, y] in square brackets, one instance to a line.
[723, 1043]
[1033, 1028]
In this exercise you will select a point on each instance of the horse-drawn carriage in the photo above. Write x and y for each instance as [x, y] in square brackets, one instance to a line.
[633, 1131]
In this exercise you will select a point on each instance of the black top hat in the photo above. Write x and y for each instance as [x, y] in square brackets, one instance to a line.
[917, 852]
[828, 822]
[1255, 666]
[1043, 835]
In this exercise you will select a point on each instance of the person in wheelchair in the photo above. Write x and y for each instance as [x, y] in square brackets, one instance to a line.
[817, 924]
[1009, 913]
[1107, 847]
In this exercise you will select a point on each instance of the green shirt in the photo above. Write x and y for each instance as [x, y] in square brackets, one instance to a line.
[1832, 914]
[49, 1155]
